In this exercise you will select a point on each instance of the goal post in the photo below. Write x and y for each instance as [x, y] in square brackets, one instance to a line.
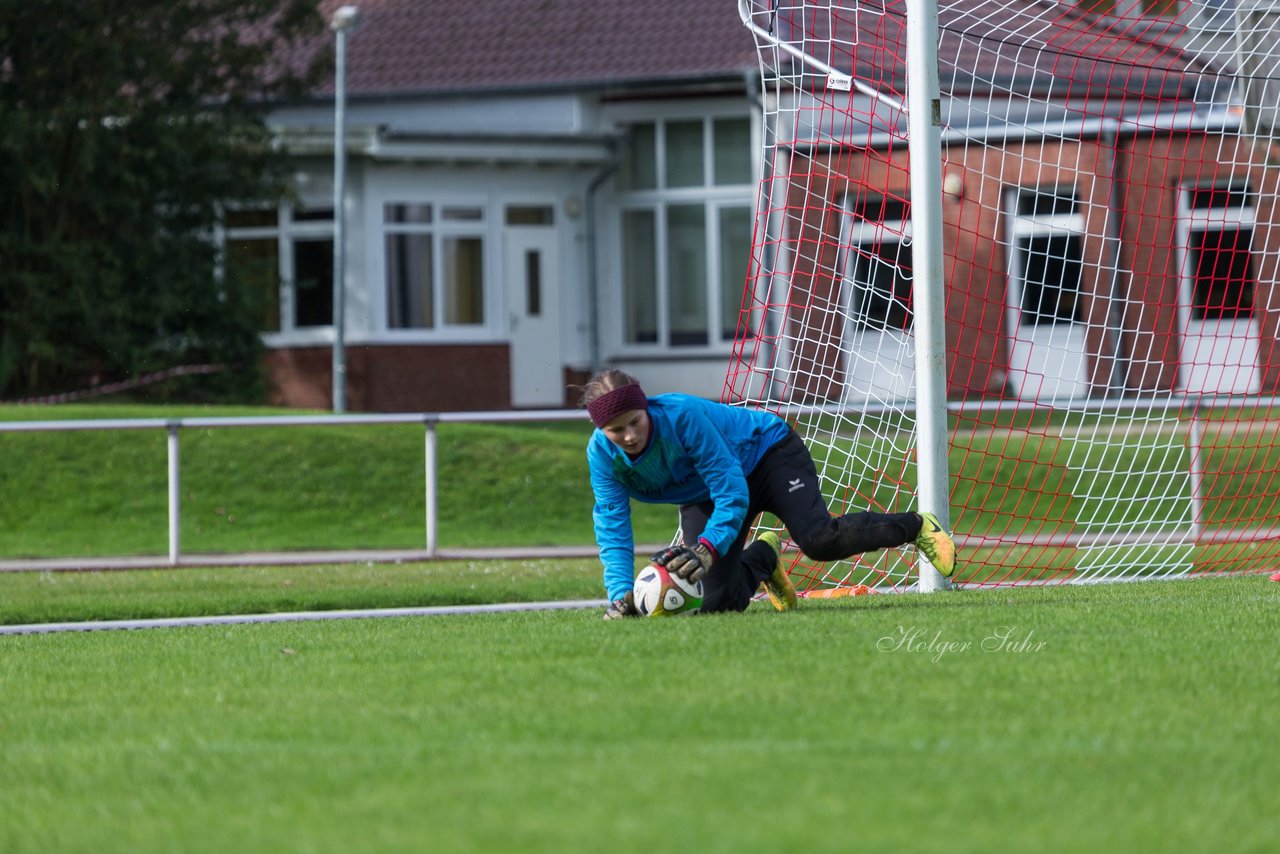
[924, 132]
[1018, 263]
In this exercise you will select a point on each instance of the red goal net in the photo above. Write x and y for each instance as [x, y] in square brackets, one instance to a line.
[1111, 240]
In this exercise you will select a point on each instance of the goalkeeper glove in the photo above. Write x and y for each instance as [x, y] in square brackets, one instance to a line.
[688, 562]
[623, 607]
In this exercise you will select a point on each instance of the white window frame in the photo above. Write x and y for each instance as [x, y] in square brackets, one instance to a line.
[880, 361]
[285, 232]
[1065, 338]
[713, 198]
[1200, 220]
[490, 219]
[862, 232]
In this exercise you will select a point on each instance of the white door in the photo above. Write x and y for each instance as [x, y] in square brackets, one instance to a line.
[1047, 357]
[533, 303]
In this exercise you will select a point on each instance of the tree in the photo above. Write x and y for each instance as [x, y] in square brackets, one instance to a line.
[125, 125]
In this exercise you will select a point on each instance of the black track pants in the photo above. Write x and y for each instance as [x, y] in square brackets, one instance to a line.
[785, 483]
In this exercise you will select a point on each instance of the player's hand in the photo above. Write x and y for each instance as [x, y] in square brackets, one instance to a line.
[688, 562]
[619, 608]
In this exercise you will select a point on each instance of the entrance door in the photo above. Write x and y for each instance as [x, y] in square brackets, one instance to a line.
[532, 267]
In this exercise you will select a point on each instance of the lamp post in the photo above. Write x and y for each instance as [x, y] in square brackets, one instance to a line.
[344, 19]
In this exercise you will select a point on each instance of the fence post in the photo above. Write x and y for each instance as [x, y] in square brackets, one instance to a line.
[431, 485]
[175, 494]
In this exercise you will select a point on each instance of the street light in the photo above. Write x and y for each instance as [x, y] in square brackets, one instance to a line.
[344, 20]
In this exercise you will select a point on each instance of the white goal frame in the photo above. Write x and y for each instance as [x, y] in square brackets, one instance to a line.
[924, 122]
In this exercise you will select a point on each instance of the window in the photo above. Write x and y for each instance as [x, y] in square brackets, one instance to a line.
[878, 270]
[1047, 257]
[1221, 274]
[1160, 8]
[435, 265]
[285, 259]
[640, 277]
[1050, 268]
[735, 255]
[530, 215]
[1219, 243]
[686, 222]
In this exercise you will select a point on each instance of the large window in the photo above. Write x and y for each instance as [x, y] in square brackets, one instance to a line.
[435, 265]
[686, 189]
[285, 257]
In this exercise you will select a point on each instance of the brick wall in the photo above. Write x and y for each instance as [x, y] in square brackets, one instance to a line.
[1160, 165]
[1145, 172]
[395, 378]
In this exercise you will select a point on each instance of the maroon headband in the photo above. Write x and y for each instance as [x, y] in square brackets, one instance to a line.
[610, 405]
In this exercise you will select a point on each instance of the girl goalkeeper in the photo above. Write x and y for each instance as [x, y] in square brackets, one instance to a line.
[723, 466]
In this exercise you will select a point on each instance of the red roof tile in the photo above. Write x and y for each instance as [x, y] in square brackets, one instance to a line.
[405, 47]
[426, 46]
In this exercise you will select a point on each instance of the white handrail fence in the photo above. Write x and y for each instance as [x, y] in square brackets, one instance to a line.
[1191, 406]
[175, 426]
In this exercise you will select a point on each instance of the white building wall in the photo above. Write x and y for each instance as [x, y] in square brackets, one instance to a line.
[492, 151]
[449, 116]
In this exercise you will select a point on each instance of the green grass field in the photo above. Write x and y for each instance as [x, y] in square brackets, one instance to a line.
[353, 487]
[1131, 717]
[273, 488]
[1135, 717]
[55, 597]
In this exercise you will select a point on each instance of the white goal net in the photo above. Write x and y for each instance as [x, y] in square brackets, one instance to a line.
[1111, 243]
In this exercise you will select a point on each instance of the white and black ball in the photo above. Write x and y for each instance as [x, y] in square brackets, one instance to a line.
[658, 593]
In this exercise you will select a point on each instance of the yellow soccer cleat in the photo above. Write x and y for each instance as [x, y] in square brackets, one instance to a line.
[778, 587]
[936, 544]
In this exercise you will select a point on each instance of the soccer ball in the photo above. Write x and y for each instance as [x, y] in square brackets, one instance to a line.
[658, 593]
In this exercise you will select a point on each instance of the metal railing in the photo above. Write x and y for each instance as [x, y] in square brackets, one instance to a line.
[175, 426]
[1190, 406]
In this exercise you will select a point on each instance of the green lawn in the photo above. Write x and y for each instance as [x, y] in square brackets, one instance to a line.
[1135, 717]
[55, 597]
[1130, 717]
[361, 487]
[293, 488]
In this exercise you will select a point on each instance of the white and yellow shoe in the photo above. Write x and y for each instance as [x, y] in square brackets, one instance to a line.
[778, 587]
[936, 544]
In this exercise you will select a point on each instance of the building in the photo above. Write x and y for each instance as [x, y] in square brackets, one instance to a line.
[536, 190]
[532, 190]
[1110, 228]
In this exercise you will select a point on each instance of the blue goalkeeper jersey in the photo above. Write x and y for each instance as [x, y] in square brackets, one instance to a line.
[698, 451]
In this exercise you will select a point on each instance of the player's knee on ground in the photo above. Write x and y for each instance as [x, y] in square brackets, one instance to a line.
[717, 598]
